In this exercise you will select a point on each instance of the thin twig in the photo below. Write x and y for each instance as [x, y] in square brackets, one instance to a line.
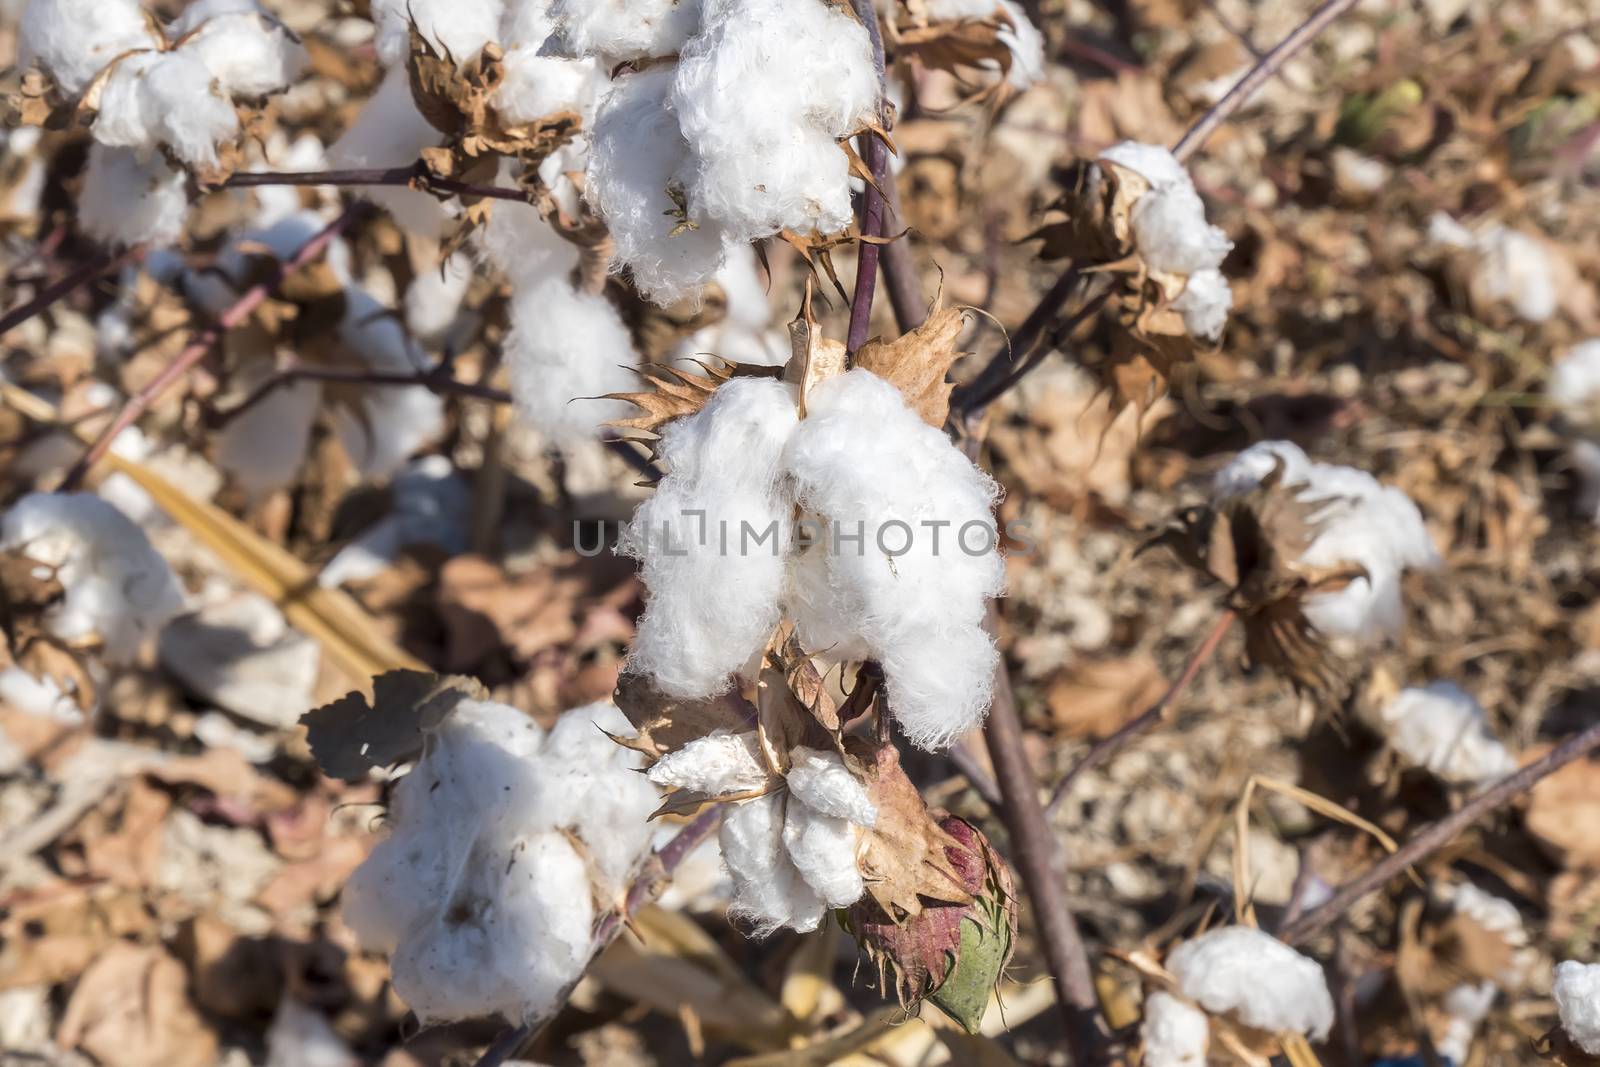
[197, 349]
[414, 175]
[965, 761]
[437, 381]
[658, 872]
[1109, 746]
[876, 156]
[83, 275]
[1037, 856]
[900, 267]
[1430, 840]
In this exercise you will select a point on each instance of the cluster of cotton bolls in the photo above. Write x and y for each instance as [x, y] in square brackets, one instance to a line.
[1442, 729]
[1464, 1007]
[792, 851]
[154, 90]
[505, 845]
[1239, 973]
[1172, 236]
[1506, 267]
[894, 557]
[1574, 389]
[1363, 522]
[1577, 993]
[117, 590]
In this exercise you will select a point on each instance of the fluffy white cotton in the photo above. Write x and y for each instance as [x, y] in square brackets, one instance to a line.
[481, 898]
[1577, 993]
[433, 299]
[1154, 163]
[1026, 45]
[822, 782]
[261, 449]
[712, 540]
[1509, 267]
[526, 24]
[73, 39]
[1464, 1008]
[1498, 916]
[637, 155]
[1574, 383]
[906, 559]
[524, 247]
[762, 96]
[129, 201]
[768, 890]
[165, 98]
[1443, 729]
[717, 764]
[391, 132]
[823, 849]
[1364, 523]
[459, 28]
[536, 85]
[1257, 979]
[1175, 1032]
[117, 587]
[567, 350]
[1204, 304]
[617, 30]
[198, 12]
[249, 54]
[392, 421]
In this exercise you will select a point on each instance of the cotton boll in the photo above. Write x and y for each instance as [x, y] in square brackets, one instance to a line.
[1154, 163]
[74, 39]
[129, 201]
[537, 85]
[567, 350]
[820, 781]
[1363, 522]
[37, 696]
[117, 587]
[1516, 270]
[433, 300]
[1026, 45]
[198, 12]
[1574, 384]
[1443, 729]
[617, 30]
[1175, 1032]
[263, 447]
[1464, 1008]
[524, 247]
[1204, 304]
[1577, 993]
[395, 420]
[767, 888]
[1240, 971]
[164, 98]
[526, 24]
[823, 850]
[248, 54]
[459, 28]
[717, 764]
[1170, 229]
[390, 132]
[714, 578]
[637, 154]
[906, 561]
[430, 504]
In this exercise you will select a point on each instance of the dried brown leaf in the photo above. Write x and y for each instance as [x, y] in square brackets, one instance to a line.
[351, 736]
[917, 363]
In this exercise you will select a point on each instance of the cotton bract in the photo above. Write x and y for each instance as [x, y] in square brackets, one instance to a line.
[479, 895]
[1577, 993]
[1175, 1032]
[1442, 729]
[1363, 522]
[1256, 979]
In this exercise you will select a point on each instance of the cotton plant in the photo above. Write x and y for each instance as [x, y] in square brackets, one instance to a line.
[504, 845]
[78, 577]
[1443, 730]
[162, 100]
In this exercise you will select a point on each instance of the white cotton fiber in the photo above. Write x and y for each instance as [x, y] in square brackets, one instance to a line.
[73, 39]
[763, 94]
[459, 28]
[1257, 979]
[1204, 304]
[537, 85]
[1026, 44]
[480, 894]
[197, 12]
[714, 579]
[117, 587]
[1444, 730]
[617, 30]
[262, 448]
[717, 764]
[165, 98]
[1464, 1008]
[1577, 993]
[433, 299]
[129, 201]
[820, 781]
[767, 887]
[1363, 522]
[389, 131]
[823, 849]
[1508, 267]
[1175, 1032]
[568, 349]
[637, 153]
[1154, 163]
[906, 562]
[526, 24]
[393, 421]
[250, 55]
[1574, 383]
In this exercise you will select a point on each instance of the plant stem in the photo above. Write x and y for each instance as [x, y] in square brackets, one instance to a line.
[83, 275]
[1430, 840]
[197, 349]
[416, 174]
[876, 156]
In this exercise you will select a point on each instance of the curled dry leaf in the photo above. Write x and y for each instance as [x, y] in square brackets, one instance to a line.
[961, 47]
[917, 363]
[352, 735]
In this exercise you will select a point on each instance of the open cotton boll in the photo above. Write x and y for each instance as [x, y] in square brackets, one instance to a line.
[822, 782]
[389, 131]
[536, 85]
[263, 447]
[458, 27]
[617, 30]
[768, 889]
[1171, 231]
[1509, 267]
[248, 54]
[1574, 384]
[430, 504]
[762, 95]
[117, 587]
[198, 12]
[566, 351]
[1204, 304]
[905, 561]
[1577, 993]
[1464, 1007]
[74, 39]
[1363, 522]
[164, 98]
[1175, 1032]
[433, 299]
[1154, 163]
[823, 849]
[395, 420]
[717, 764]
[1026, 44]
[526, 24]
[637, 154]
[712, 540]
[1255, 978]
[1444, 730]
